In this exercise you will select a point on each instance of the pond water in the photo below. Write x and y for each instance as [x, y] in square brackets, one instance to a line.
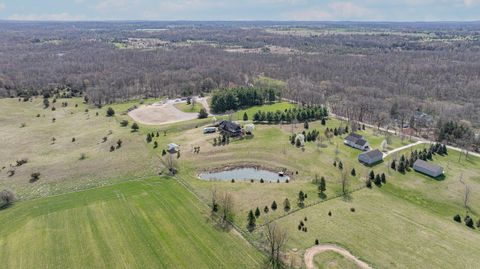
[244, 174]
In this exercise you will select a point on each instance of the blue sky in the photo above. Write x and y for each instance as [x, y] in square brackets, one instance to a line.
[320, 10]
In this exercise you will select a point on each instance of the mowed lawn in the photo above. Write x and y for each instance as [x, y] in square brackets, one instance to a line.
[152, 223]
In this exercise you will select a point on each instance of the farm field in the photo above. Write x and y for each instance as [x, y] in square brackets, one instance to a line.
[407, 222]
[137, 224]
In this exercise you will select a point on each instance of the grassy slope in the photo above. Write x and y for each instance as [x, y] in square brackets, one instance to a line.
[59, 164]
[333, 260]
[273, 108]
[154, 223]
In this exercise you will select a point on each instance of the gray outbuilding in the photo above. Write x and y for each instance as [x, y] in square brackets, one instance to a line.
[371, 157]
[427, 168]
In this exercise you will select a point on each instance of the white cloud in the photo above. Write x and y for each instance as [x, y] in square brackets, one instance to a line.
[470, 3]
[47, 17]
[2, 6]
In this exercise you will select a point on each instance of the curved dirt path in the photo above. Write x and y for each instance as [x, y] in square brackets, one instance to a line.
[311, 252]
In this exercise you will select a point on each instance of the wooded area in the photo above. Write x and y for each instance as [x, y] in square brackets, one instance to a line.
[376, 72]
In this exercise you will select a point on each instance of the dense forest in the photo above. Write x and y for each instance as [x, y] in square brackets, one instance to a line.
[377, 72]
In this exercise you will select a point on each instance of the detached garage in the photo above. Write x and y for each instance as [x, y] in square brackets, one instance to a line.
[427, 168]
[371, 157]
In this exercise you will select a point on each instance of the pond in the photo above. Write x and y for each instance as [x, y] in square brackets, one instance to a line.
[244, 174]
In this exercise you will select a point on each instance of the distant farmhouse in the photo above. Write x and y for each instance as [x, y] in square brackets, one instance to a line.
[427, 168]
[230, 127]
[356, 141]
[422, 119]
[371, 157]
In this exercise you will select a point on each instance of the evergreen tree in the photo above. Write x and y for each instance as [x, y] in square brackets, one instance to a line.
[393, 166]
[110, 112]
[149, 138]
[251, 219]
[202, 114]
[371, 175]
[301, 199]
[384, 178]
[265, 209]
[245, 116]
[322, 187]
[135, 127]
[274, 206]
[286, 204]
[257, 213]
[353, 173]
[340, 165]
[378, 180]
[323, 121]
[305, 125]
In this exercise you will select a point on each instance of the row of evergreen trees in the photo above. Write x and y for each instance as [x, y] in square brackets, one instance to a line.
[300, 114]
[454, 132]
[233, 99]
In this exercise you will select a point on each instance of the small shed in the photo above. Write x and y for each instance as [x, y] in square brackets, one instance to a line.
[301, 140]
[249, 128]
[173, 148]
[427, 168]
[371, 157]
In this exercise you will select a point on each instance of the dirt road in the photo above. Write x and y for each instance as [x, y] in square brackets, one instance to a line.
[311, 252]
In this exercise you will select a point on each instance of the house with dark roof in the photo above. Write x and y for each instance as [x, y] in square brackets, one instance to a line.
[356, 141]
[173, 148]
[427, 168]
[230, 127]
[371, 157]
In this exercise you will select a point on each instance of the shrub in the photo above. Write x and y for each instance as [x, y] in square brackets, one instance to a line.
[352, 209]
[316, 242]
[34, 177]
[155, 144]
[274, 206]
[329, 213]
[468, 221]
[112, 148]
[110, 112]
[261, 180]
[7, 197]
[353, 173]
[73, 139]
[233, 180]
[124, 123]
[83, 156]
[457, 218]
[119, 143]
[203, 114]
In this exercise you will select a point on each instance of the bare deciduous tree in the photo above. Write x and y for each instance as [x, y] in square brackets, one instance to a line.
[276, 238]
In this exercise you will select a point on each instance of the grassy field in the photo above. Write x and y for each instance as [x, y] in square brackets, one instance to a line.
[152, 223]
[406, 223]
[49, 147]
[333, 260]
[183, 106]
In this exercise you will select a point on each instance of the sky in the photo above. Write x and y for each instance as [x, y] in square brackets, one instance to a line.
[285, 10]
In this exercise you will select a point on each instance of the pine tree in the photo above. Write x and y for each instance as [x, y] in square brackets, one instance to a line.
[245, 116]
[274, 206]
[286, 204]
[265, 209]
[110, 112]
[340, 165]
[384, 178]
[393, 166]
[305, 125]
[251, 219]
[353, 173]
[257, 213]
[323, 185]
[372, 175]
[323, 121]
[378, 180]
[149, 138]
